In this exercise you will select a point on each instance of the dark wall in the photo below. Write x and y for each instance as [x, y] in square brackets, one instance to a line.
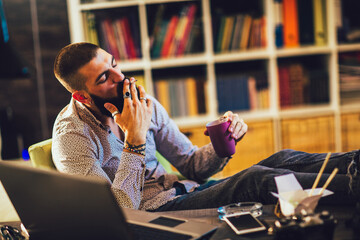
[22, 95]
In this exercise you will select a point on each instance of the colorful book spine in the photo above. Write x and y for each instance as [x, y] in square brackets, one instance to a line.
[155, 53]
[279, 23]
[170, 33]
[119, 36]
[179, 30]
[237, 32]
[110, 38]
[201, 96]
[192, 102]
[284, 86]
[296, 78]
[319, 22]
[253, 99]
[291, 26]
[306, 22]
[157, 25]
[245, 35]
[229, 23]
[221, 33]
[162, 94]
[191, 16]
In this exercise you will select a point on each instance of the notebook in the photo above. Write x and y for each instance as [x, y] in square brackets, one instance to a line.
[54, 205]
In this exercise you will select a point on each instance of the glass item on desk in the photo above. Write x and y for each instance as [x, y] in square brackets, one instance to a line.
[254, 208]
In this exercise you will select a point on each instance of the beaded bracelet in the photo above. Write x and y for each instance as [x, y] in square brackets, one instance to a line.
[141, 152]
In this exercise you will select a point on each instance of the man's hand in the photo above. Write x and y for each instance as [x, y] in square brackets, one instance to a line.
[238, 127]
[135, 118]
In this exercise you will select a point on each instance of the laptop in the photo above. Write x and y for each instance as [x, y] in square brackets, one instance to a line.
[54, 205]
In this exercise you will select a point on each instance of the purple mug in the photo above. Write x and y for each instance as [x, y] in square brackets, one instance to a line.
[220, 137]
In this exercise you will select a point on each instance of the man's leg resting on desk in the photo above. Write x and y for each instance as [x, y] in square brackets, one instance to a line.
[256, 182]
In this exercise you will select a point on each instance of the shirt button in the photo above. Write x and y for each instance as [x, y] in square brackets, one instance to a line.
[142, 165]
[141, 188]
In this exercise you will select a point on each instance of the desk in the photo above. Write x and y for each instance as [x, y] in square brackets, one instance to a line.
[341, 213]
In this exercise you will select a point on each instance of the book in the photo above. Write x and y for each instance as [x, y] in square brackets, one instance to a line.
[284, 86]
[201, 96]
[170, 34]
[128, 38]
[92, 31]
[135, 31]
[243, 83]
[306, 22]
[239, 20]
[291, 25]
[162, 94]
[192, 102]
[225, 90]
[157, 25]
[278, 8]
[296, 79]
[246, 32]
[174, 98]
[189, 24]
[103, 41]
[255, 34]
[225, 42]
[220, 34]
[110, 37]
[319, 22]
[119, 36]
[86, 26]
[253, 99]
[195, 43]
[339, 21]
[263, 31]
[182, 98]
[179, 32]
[155, 51]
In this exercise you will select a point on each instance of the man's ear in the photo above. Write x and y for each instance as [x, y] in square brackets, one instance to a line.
[81, 97]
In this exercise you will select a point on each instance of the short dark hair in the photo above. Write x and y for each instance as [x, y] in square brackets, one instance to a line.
[69, 60]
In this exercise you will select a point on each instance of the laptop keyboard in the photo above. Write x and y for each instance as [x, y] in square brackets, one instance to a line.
[142, 233]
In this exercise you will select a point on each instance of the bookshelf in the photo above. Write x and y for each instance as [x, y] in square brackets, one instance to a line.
[287, 88]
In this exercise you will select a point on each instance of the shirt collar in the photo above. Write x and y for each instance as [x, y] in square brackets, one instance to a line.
[85, 114]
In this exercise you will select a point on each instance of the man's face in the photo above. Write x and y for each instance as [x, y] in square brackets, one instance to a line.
[104, 81]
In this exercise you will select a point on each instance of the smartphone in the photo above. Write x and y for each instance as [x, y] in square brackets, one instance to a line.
[243, 223]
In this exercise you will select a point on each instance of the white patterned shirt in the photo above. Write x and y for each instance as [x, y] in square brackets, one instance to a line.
[83, 145]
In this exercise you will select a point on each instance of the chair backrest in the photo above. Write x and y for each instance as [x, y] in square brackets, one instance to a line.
[40, 154]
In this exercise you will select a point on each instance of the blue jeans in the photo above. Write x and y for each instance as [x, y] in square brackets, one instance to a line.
[256, 182]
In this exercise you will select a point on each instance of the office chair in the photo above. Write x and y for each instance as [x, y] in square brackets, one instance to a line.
[40, 156]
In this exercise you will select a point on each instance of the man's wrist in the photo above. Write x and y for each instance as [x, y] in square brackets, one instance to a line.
[139, 149]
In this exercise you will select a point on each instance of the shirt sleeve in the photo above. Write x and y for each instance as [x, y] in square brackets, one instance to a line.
[80, 154]
[192, 162]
